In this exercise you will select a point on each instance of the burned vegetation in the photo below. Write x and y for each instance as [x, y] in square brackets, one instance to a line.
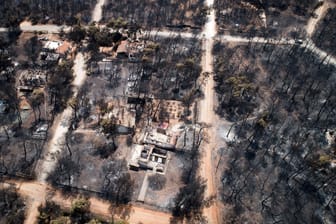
[154, 14]
[12, 206]
[36, 83]
[271, 18]
[280, 101]
[170, 69]
[131, 118]
[19, 148]
[324, 36]
[40, 11]
[80, 169]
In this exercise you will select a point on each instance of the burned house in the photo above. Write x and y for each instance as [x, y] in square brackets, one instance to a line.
[30, 79]
[170, 109]
[122, 50]
[149, 157]
[135, 50]
[138, 85]
[52, 51]
[161, 140]
[7, 67]
[41, 131]
[124, 117]
[51, 46]
[49, 57]
[105, 67]
[130, 50]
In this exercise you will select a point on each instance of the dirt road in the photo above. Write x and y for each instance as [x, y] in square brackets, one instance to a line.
[97, 12]
[28, 27]
[207, 114]
[39, 192]
[54, 146]
[327, 58]
[312, 22]
[209, 36]
[61, 125]
[36, 193]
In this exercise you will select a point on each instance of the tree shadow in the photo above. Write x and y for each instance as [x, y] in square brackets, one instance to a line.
[121, 211]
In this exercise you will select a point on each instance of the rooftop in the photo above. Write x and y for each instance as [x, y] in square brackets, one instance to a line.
[159, 139]
[122, 48]
[148, 157]
[63, 48]
[52, 45]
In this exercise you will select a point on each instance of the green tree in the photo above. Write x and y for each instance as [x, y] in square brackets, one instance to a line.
[77, 33]
[109, 126]
[95, 221]
[80, 210]
[80, 206]
[117, 23]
